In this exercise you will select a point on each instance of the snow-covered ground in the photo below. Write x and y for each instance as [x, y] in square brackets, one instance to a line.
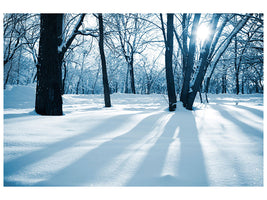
[136, 142]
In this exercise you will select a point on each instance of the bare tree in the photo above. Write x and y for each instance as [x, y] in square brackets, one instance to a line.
[202, 64]
[168, 60]
[49, 84]
[188, 55]
[52, 49]
[103, 62]
[219, 51]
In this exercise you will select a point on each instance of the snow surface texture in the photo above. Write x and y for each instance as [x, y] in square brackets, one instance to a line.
[136, 142]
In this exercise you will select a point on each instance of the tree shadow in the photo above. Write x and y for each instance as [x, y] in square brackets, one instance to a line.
[130, 158]
[86, 170]
[255, 111]
[189, 168]
[247, 129]
[14, 166]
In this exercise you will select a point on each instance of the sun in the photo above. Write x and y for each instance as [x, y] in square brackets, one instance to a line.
[203, 32]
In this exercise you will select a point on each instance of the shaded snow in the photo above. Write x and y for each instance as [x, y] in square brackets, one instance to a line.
[136, 142]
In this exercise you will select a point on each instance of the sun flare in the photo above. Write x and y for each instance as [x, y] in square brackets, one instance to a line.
[203, 32]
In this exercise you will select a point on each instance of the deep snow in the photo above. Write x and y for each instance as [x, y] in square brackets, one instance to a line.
[136, 142]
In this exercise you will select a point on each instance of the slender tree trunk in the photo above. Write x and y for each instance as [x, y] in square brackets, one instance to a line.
[97, 74]
[126, 89]
[103, 62]
[207, 85]
[223, 84]
[224, 79]
[132, 74]
[49, 80]
[236, 68]
[257, 87]
[81, 74]
[64, 78]
[79, 81]
[243, 82]
[185, 39]
[19, 62]
[8, 74]
[200, 97]
[237, 82]
[224, 46]
[168, 64]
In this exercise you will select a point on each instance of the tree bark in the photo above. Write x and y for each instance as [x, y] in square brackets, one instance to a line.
[188, 61]
[236, 67]
[103, 62]
[168, 64]
[204, 62]
[49, 74]
[132, 74]
[126, 89]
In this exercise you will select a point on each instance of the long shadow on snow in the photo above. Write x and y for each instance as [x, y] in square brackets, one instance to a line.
[13, 166]
[255, 111]
[85, 171]
[247, 129]
[190, 169]
[230, 157]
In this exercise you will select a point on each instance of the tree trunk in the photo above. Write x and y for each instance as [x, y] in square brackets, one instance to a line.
[204, 62]
[64, 78]
[189, 63]
[132, 74]
[168, 64]
[81, 74]
[126, 89]
[19, 61]
[237, 82]
[103, 62]
[8, 74]
[49, 80]
[222, 49]
[94, 85]
[236, 68]
[243, 82]
[224, 79]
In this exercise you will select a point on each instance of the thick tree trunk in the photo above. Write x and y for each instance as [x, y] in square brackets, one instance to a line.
[204, 62]
[168, 64]
[189, 63]
[103, 62]
[49, 80]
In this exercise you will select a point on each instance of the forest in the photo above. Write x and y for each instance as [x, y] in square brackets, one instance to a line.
[178, 54]
[134, 99]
